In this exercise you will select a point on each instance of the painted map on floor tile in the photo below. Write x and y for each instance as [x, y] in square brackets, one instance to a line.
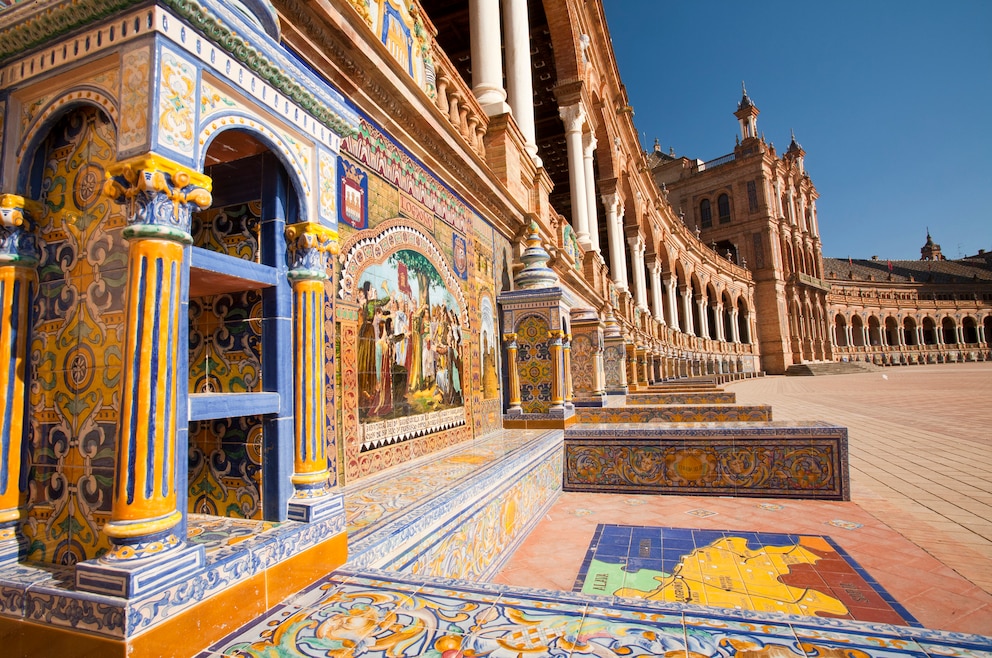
[794, 574]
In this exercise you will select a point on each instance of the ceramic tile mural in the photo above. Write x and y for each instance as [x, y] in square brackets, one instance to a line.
[410, 341]
[534, 363]
[225, 343]
[583, 362]
[225, 467]
[231, 230]
[76, 344]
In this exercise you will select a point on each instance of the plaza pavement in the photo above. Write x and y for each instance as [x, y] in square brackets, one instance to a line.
[920, 515]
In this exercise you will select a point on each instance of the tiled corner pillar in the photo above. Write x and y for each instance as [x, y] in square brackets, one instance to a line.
[555, 339]
[567, 358]
[632, 377]
[309, 245]
[615, 373]
[18, 278]
[146, 554]
[513, 372]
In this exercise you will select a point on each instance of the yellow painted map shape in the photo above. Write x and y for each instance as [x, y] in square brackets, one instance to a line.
[727, 574]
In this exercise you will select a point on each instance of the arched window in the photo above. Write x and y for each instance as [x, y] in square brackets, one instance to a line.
[705, 214]
[723, 208]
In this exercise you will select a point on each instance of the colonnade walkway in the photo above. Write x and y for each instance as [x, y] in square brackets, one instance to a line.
[909, 558]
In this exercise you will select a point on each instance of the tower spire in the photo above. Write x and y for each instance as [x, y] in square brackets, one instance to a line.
[747, 116]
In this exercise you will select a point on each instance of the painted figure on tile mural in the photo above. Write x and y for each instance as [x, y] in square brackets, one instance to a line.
[409, 352]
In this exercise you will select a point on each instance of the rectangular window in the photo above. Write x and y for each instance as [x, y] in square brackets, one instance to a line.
[752, 196]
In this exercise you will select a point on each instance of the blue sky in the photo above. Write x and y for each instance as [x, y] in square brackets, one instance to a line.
[892, 101]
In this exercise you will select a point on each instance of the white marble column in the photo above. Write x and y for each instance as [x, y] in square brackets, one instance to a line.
[519, 80]
[673, 292]
[850, 335]
[656, 306]
[687, 310]
[487, 57]
[704, 324]
[735, 329]
[614, 235]
[718, 318]
[637, 262]
[588, 152]
[574, 117]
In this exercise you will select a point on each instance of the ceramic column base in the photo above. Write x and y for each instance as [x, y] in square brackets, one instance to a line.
[133, 578]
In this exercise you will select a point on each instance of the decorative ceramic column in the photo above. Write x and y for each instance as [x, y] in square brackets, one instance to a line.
[18, 278]
[309, 245]
[159, 197]
[567, 359]
[487, 58]
[574, 117]
[555, 338]
[588, 152]
[514, 374]
[519, 81]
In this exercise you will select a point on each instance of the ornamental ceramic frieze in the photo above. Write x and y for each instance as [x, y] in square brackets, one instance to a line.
[17, 243]
[309, 245]
[159, 196]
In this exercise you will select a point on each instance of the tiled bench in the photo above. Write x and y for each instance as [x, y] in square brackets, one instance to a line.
[773, 459]
[683, 413]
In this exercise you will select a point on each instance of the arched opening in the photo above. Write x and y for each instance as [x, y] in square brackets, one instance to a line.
[929, 331]
[909, 331]
[743, 321]
[987, 325]
[891, 331]
[728, 318]
[969, 329]
[840, 331]
[949, 330]
[874, 331]
[858, 331]
[237, 336]
[78, 328]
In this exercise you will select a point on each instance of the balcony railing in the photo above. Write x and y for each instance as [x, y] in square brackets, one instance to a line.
[456, 101]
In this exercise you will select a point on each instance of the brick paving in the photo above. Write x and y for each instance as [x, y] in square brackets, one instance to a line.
[920, 516]
[920, 441]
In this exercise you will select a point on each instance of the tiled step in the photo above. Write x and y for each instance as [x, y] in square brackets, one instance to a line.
[681, 413]
[426, 513]
[771, 459]
[376, 613]
[833, 368]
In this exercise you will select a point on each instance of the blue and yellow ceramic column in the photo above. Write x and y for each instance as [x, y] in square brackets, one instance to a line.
[18, 279]
[513, 370]
[309, 245]
[147, 553]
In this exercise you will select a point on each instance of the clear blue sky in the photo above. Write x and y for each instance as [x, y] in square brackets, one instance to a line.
[892, 101]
